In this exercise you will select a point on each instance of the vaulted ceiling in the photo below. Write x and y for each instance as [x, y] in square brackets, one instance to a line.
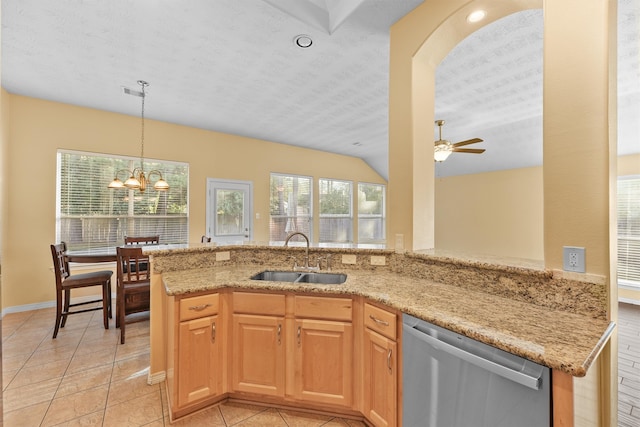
[233, 66]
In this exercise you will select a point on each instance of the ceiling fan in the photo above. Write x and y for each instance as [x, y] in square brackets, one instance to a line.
[444, 148]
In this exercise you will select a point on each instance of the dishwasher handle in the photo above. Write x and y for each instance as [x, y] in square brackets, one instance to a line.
[496, 368]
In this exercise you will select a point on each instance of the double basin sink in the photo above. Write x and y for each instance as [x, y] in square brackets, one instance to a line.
[301, 277]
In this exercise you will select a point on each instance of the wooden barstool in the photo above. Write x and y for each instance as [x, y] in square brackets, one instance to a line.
[65, 281]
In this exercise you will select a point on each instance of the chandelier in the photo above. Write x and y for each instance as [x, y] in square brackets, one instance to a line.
[137, 179]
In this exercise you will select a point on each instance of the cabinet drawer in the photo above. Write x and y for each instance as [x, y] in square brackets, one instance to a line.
[380, 320]
[258, 303]
[200, 306]
[324, 308]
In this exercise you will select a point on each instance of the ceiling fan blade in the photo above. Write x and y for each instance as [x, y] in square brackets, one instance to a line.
[467, 142]
[469, 150]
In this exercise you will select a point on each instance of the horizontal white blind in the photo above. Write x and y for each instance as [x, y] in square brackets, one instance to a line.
[290, 206]
[629, 230]
[335, 206]
[91, 216]
[371, 213]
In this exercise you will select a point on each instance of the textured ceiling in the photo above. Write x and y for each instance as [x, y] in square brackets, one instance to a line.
[232, 66]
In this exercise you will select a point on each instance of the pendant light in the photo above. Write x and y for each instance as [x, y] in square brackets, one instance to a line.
[137, 179]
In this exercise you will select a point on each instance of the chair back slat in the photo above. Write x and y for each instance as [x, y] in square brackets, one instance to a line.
[141, 240]
[133, 266]
[60, 263]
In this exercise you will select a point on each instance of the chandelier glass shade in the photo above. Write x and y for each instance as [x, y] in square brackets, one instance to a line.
[442, 150]
[138, 180]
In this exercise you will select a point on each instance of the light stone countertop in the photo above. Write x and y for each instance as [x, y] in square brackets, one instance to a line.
[561, 340]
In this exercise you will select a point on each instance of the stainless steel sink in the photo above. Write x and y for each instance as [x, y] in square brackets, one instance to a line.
[323, 278]
[278, 276]
[301, 277]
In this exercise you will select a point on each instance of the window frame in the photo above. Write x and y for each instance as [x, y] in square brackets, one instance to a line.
[310, 219]
[382, 216]
[180, 226]
[349, 215]
[634, 235]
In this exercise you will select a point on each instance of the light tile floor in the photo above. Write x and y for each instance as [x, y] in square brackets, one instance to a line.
[85, 377]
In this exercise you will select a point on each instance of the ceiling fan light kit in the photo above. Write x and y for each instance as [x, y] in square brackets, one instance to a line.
[443, 148]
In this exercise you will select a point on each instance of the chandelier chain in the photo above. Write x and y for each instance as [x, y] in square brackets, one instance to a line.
[144, 95]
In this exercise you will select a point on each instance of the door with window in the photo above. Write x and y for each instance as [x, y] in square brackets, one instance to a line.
[229, 211]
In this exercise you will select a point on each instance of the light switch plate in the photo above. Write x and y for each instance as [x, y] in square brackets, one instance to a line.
[223, 256]
[348, 259]
[573, 259]
[378, 260]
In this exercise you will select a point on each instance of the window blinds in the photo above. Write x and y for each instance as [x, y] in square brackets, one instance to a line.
[629, 230]
[290, 206]
[90, 216]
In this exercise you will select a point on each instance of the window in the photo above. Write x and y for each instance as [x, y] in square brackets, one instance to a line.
[629, 231]
[290, 206]
[371, 214]
[91, 216]
[336, 218]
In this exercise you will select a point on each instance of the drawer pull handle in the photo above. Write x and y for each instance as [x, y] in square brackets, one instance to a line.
[213, 332]
[389, 361]
[299, 339]
[378, 321]
[279, 334]
[199, 307]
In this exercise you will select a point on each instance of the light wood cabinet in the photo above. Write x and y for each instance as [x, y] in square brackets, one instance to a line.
[195, 352]
[258, 355]
[199, 357]
[323, 361]
[380, 367]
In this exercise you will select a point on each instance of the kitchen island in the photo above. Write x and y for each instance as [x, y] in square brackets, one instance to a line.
[552, 321]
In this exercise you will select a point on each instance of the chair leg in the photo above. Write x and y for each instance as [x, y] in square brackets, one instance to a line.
[110, 302]
[122, 323]
[65, 311]
[105, 305]
[58, 313]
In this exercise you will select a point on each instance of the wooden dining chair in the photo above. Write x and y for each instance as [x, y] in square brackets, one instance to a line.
[141, 240]
[65, 282]
[205, 239]
[133, 293]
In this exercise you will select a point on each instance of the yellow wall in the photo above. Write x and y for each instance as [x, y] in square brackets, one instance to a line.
[497, 213]
[39, 128]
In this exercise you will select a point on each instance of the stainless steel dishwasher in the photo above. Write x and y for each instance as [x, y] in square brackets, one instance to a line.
[450, 380]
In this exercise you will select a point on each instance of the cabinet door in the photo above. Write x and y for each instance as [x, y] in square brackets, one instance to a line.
[258, 354]
[380, 379]
[324, 361]
[199, 368]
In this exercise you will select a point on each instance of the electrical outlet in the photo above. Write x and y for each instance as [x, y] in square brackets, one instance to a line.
[573, 259]
[378, 260]
[348, 259]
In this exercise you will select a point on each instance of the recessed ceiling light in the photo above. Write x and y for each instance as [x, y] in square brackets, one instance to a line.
[476, 16]
[303, 41]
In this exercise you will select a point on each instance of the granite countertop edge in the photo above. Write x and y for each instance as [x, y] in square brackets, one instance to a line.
[563, 341]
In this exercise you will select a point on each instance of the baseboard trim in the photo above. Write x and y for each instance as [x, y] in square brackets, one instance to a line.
[48, 304]
[156, 378]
